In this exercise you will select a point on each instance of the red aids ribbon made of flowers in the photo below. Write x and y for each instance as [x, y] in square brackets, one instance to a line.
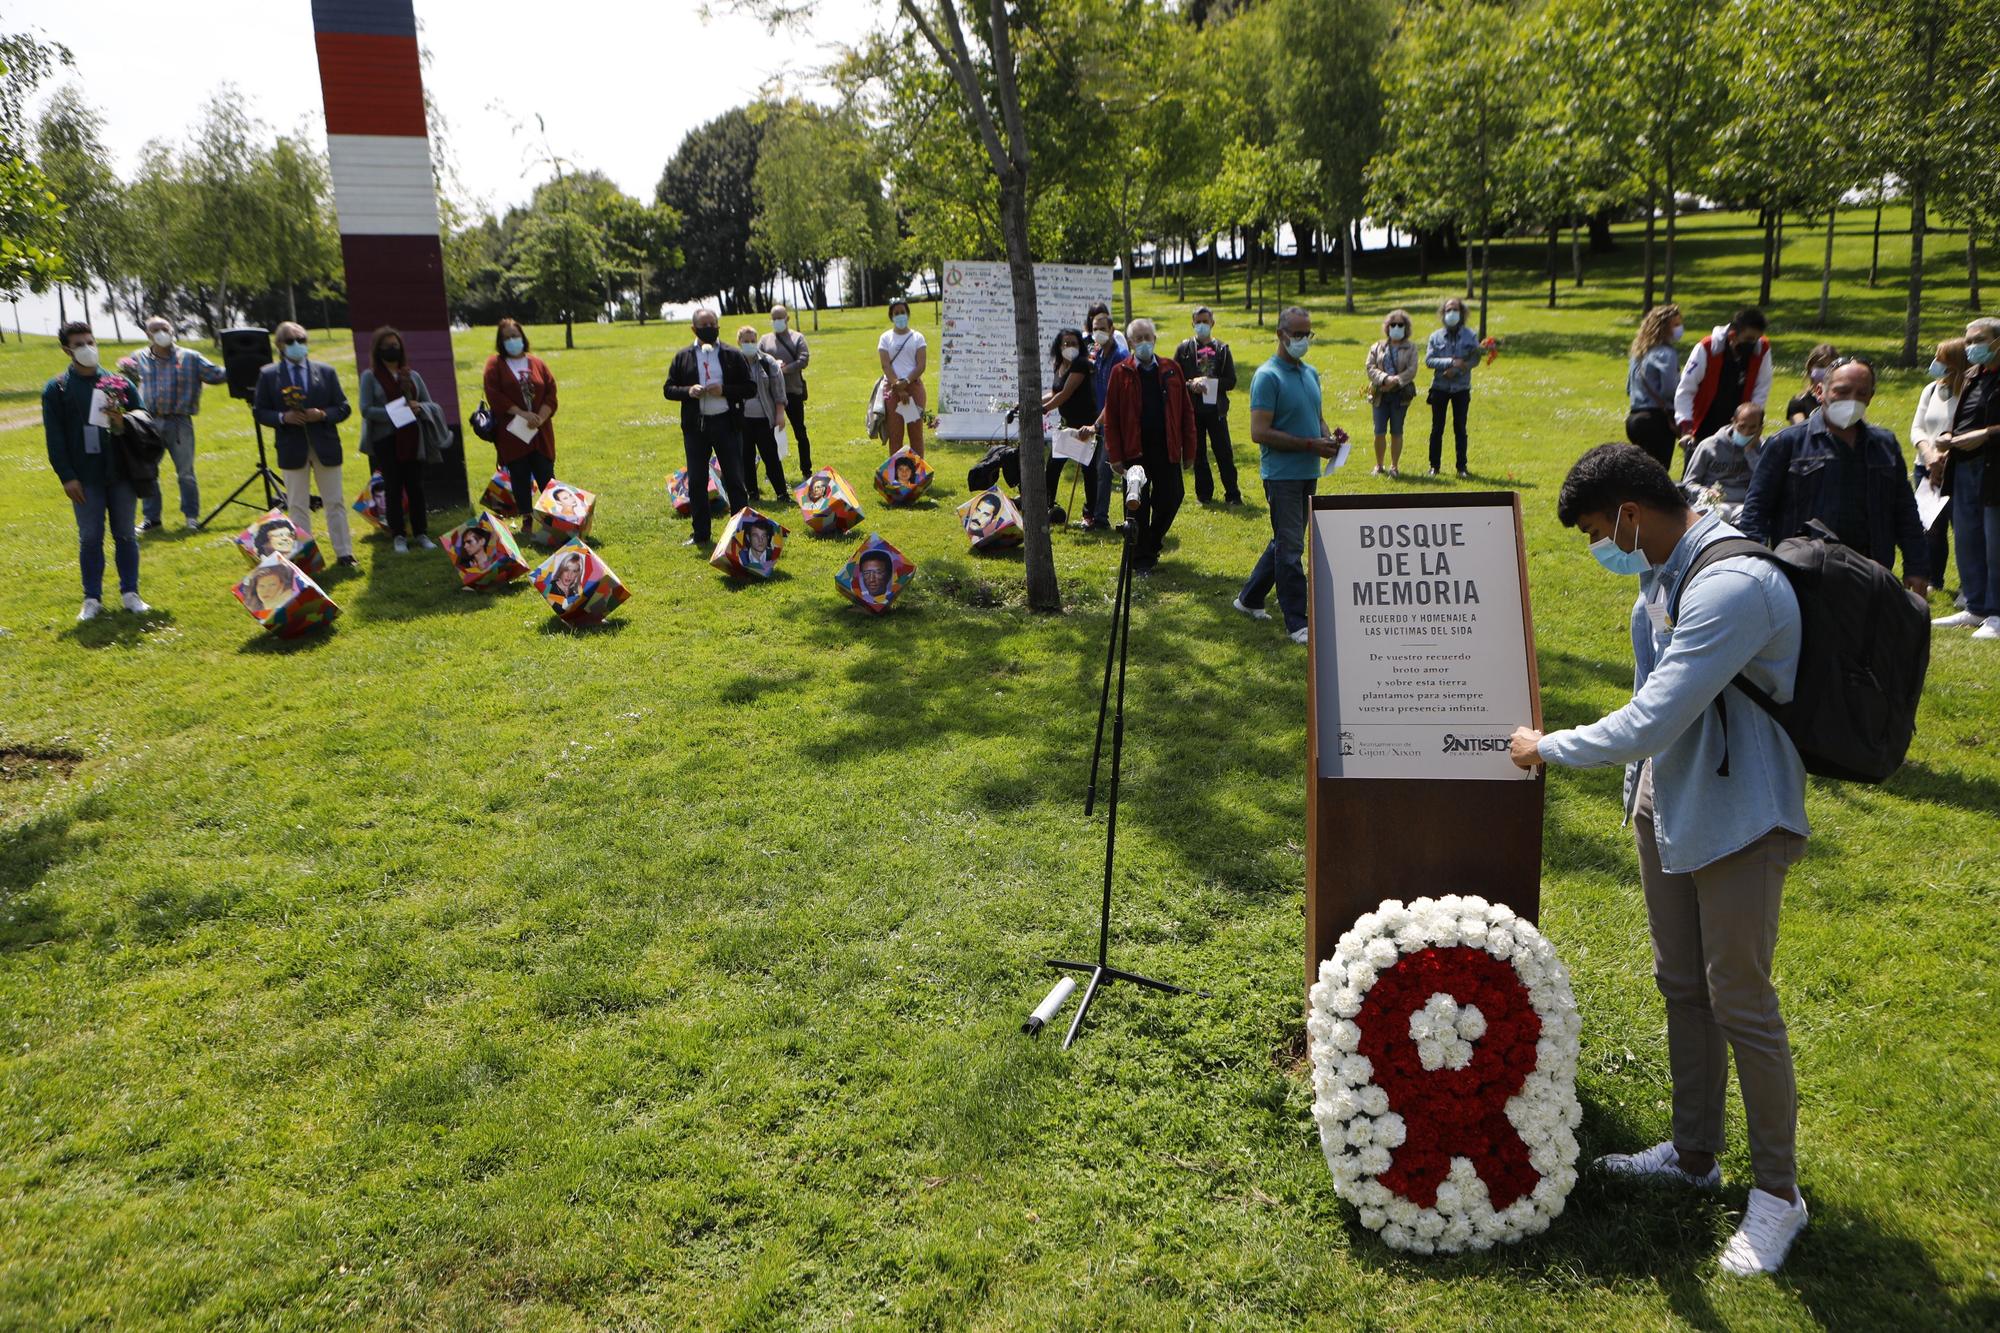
[1453, 1112]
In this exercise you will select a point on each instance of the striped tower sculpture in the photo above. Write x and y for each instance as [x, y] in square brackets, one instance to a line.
[379, 153]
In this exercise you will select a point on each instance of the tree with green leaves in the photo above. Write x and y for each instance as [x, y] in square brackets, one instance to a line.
[711, 183]
[819, 197]
[555, 263]
[31, 216]
[224, 209]
[303, 239]
[1327, 89]
[69, 140]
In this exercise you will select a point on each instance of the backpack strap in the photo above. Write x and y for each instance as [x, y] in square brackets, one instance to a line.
[1724, 548]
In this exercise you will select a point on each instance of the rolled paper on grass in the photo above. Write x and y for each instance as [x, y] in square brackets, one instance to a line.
[903, 477]
[677, 491]
[991, 521]
[283, 598]
[875, 575]
[750, 546]
[371, 504]
[567, 508]
[276, 534]
[827, 503]
[579, 587]
[498, 497]
[483, 553]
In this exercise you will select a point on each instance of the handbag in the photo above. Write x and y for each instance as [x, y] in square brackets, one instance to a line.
[482, 423]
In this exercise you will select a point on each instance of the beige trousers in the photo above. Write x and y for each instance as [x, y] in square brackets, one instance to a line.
[298, 496]
[1714, 933]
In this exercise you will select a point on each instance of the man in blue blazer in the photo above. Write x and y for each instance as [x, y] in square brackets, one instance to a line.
[303, 402]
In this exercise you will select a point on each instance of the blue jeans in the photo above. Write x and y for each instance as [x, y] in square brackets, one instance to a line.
[120, 503]
[1390, 414]
[178, 432]
[1976, 528]
[1097, 486]
[1283, 563]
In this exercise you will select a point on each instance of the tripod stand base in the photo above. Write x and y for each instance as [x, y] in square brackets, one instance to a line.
[1100, 973]
[274, 495]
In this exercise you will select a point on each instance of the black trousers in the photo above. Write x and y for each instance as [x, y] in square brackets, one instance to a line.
[760, 439]
[526, 473]
[715, 437]
[1652, 429]
[795, 416]
[1164, 493]
[400, 479]
[1458, 403]
[1212, 430]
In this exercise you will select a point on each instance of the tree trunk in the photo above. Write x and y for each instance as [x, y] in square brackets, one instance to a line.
[1044, 594]
[1260, 287]
[1468, 270]
[1126, 274]
[292, 301]
[1359, 243]
[1555, 244]
[1422, 241]
[1764, 284]
[118, 332]
[1347, 271]
[1601, 242]
[569, 331]
[1485, 275]
[1651, 196]
[1180, 268]
[1576, 248]
[1826, 264]
[1250, 251]
[1215, 266]
[1875, 255]
[1913, 308]
[1667, 288]
[1778, 246]
[1972, 262]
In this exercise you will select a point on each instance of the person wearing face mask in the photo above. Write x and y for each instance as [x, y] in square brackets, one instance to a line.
[1287, 422]
[903, 354]
[1392, 384]
[710, 382]
[396, 450]
[521, 388]
[1652, 370]
[1149, 420]
[1714, 838]
[88, 462]
[1729, 367]
[1845, 472]
[1803, 403]
[1210, 369]
[1723, 463]
[1937, 408]
[170, 377]
[302, 401]
[791, 352]
[1972, 480]
[763, 417]
[1071, 396]
[1450, 353]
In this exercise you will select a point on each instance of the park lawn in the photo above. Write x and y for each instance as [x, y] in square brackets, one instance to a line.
[456, 969]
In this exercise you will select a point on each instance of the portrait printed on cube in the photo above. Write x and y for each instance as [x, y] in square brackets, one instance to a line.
[874, 570]
[579, 587]
[903, 477]
[268, 587]
[274, 536]
[566, 579]
[991, 521]
[757, 534]
[874, 575]
[475, 548]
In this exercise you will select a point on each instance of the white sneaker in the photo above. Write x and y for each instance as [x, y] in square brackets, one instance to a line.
[91, 608]
[1957, 620]
[1254, 612]
[134, 605]
[1770, 1225]
[1989, 630]
[194, 525]
[1299, 635]
[1659, 1162]
[426, 542]
[402, 545]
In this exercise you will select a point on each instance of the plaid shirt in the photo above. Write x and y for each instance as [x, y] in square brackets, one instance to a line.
[173, 386]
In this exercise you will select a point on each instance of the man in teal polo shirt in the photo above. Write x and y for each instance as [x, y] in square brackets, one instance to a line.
[1292, 442]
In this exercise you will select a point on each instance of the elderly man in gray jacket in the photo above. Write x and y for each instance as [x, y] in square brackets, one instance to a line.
[303, 402]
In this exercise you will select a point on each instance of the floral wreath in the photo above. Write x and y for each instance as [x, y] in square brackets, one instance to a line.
[1444, 1047]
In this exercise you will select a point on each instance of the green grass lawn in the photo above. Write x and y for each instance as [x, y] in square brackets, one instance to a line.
[456, 969]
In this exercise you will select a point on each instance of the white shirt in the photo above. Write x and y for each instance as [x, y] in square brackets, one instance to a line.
[518, 367]
[903, 348]
[708, 364]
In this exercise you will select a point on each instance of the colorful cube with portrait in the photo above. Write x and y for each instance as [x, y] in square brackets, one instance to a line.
[276, 534]
[750, 546]
[875, 575]
[283, 598]
[498, 497]
[483, 552]
[677, 491]
[991, 521]
[579, 586]
[903, 477]
[567, 508]
[827, 503]
[373, 503]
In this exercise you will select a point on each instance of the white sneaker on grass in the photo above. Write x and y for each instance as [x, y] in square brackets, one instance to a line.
[402, 545]
[1254, 612]
[1770, 1225]
[134, 605]
[426, 542]
[1957, 620]
[1989, 630]
[1299, 635]
[91, 609]
[1659, 1162]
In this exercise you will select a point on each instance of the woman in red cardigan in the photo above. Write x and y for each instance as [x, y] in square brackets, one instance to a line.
[521, 389]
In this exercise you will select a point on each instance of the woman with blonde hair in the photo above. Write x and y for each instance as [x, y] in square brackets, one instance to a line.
[1392, 384]
[1936, 406]
[1819, 363]
[1651, 376]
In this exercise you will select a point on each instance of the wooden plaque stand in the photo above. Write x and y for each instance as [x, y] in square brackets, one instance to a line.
[1369, 839]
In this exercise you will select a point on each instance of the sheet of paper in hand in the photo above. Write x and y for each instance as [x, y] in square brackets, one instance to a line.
[276, 534]
[98, 417]
[903, 477]
[579, 586]
[827, 503]
[1065, 443]
[568, 508]
[1930, 502]
[400, 414]
[875, 575]
[750, 546]
[521, 430]
[283, 598]
[483, 553]
[991, 521]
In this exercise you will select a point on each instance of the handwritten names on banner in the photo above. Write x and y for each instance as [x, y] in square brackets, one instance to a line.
[976, 377]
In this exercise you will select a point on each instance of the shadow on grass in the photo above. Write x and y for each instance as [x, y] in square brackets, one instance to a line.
[1920, 782]
[271, 644]
[613, 625]
[116, 628]
[28, 851]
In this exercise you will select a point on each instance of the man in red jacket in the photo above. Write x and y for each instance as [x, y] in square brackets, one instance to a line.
[1149, 420]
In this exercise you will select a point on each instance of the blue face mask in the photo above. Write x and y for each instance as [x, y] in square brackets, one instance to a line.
[1619, 561]
[1939, 370]
[1451, 318]
[295, 352]
[1298, 347]
[780, 325]
[515, 346]
[900, 321]
[1143, 349]
[1979, 353]
[1740, 440]
[1203, 330]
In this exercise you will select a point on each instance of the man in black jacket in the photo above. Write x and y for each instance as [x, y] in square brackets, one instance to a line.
[1211, 374]
[710, 382]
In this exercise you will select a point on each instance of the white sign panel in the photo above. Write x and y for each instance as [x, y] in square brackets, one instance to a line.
[1419, 641]
[977, 371]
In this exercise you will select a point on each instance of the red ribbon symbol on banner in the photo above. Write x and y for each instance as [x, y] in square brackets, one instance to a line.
[1453, 1112]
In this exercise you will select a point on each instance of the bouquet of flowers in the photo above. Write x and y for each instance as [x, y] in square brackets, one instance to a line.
[117, 391]
[1492, 349]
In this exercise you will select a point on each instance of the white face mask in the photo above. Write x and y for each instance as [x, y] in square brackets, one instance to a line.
[1451, 318]
[85, 355]
[1100, 337]
[163, 339]
[1070, 353]
[1844, 412]
[749, 346]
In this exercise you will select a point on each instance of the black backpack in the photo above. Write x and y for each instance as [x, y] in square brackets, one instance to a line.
[1865, 644]
[1002, 460]
[483, 424]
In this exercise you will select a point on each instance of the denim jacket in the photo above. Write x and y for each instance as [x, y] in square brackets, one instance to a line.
[1445, 346]
[1790, 489]
[1739, 615]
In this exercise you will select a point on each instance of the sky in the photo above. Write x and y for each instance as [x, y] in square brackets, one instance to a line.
[617, 82]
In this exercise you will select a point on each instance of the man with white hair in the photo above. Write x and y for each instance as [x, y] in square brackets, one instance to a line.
[1149, 420]
[170, 377]
[1972, 479]
[302, 401]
